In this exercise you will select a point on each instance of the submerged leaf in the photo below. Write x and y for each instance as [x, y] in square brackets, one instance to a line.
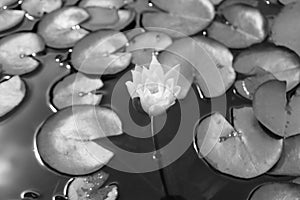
[16, 52]
[76, 89]
[244, 150]
[60, 28]
[65, 142]
[12, 93]
[99, 53]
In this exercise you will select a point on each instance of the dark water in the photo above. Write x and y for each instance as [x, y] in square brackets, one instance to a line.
[187, 178]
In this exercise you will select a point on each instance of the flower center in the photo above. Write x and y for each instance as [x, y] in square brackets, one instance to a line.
[153, 88]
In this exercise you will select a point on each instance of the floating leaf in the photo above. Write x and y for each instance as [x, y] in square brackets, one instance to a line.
[100, 18]
[245, 151]
[76, 89]
[261, 64]
[7, 2]
[38, 8]
[12, 93]
[143, 46]
[227, 3]
[105, 3]
[90, 187]
[17, 50]
[65, 142]
[286, 2]
[10, 18]
[289, 162]
[182, 17]
[60, 28]
[273, 110]
[99, 53]
[245, 26]
[276, 191]
[285, 29]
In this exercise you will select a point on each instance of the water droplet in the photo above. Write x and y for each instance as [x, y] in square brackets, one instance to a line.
[58, 58]
[150, 4]
[76, 27]
[22, 55]
[70, 50]
[29, 17]
[30, 194]
[20, 2]
[204, 33]
[268, 2]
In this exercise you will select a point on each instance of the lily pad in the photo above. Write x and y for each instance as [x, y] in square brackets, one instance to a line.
[10, 18]
[60, 28]
[105, 3]
[17, 53]
[245, 26]
[76, 89]
[91, 187]
[289, 162]
[286, 2]
[38, 8]
[276, 191]
[7, 2]
[274, 111]
[181, 18]
[261, 64]
[244, 150]
[285, 29]
[145, 44]
[65, 141]
[12, 92]
[100, 18]
[227, 3]
[99, 53]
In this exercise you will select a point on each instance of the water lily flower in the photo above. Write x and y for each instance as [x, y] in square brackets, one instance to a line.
[157, 90]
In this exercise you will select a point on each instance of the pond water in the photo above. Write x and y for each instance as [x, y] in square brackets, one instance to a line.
[187, 178]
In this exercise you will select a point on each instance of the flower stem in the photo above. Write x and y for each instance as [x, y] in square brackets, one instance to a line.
[157, 157]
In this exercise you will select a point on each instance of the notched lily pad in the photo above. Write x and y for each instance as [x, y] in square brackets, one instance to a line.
[181, 17]
[91, 187]
[12, 92]
[244, 150]
[100, 53]
[145, 44]
[285, 29]
[65, 141]
[289, 162]
[272, 108]
[262, 64]
[60, 28]
[76, 89]
[245, 26]
[38, 8]
[17, 53]
[276, 191]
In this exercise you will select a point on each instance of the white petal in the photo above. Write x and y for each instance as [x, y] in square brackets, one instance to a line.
[136, 77]
[174, 73]
[131, 89]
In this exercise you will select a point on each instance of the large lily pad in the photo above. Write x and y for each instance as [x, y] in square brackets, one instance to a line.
[285, 29]
[181, 17]
[261, 64]
[91, 187]
[244, 150]
[12, 92]
[274, 111]
[76, 89]
[17, 50]
[60, 28]
[245, 26]
[99, 53]
[10, 18]
[276, 191]
[105, 3]
[38, 8]
[145, 44]
[65, 142]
